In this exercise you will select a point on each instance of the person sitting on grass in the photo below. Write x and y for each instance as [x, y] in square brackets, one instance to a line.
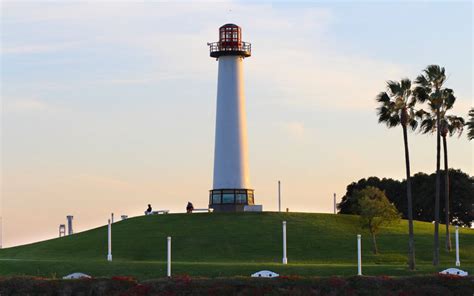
[189, 208]
[149, 210]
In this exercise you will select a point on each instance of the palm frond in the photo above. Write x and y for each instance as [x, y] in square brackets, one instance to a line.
[470, 125]
[428, 125]
[449, 98]
[422, 81]
[384, 114]
[405, 85]
[383, 97]
[421, 94]
[394, 87]
[393, 121]
[455, 124]
[413, 123]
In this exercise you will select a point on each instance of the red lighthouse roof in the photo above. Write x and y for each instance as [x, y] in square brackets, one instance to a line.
[230, 42]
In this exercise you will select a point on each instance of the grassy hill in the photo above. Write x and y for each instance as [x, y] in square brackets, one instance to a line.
[233, 244]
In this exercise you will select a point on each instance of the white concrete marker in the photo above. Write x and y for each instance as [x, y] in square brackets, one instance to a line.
[265, 274]
[359, 256]
[454, 271]
[109, 254]
[168, 271]
[285, 259]
[458, 263]
[335, 204]
[76, 275]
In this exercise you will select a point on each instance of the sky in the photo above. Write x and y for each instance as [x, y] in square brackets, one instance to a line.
[110, 105]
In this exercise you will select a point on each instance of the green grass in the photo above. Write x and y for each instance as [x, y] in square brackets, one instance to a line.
[234, 244]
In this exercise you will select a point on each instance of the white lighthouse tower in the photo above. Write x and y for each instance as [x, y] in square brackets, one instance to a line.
[231, 189]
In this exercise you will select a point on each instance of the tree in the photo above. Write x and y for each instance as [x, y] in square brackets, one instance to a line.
[448, 124]
[430, 88]
[470, 125]
[461, 208]
[397, 108]
[375, 211]
[393, 190]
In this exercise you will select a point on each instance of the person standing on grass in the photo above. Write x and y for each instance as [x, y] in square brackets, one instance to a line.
[189, 207]
[149, 210]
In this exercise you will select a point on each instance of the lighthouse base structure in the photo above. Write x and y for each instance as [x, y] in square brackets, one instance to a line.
[231, 200]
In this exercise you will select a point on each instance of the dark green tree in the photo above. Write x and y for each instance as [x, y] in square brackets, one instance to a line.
[375, 211]
[462, 188]
[430, 88]
[397, 108]
[392, 188]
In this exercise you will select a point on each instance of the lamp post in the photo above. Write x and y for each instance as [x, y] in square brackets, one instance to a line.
[279, 196]
[109, 237]
[285, 259]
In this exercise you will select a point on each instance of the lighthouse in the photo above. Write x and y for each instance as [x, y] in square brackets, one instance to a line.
[231, 191]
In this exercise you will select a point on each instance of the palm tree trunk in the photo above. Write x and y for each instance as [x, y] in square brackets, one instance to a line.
[411, 238]
[376, 250]
[446, 193]
[438, 181]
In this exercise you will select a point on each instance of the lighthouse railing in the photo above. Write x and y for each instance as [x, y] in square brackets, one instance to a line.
[218, 46]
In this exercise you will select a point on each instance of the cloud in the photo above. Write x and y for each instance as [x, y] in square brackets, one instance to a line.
[294, 51]
[38, 48]
[294, 129]
[26, 105]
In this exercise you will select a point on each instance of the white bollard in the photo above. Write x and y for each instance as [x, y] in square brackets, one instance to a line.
[458, 263]
[168, 272]
[335, 205]
[109, 254]
[359, 256]
[285, 259]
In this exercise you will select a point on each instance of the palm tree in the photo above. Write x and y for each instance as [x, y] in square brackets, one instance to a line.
[430, 88]
[448, 124]
[470, 125]
[397, 108]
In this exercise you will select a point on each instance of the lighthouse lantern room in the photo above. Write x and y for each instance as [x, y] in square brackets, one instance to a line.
[230, 43]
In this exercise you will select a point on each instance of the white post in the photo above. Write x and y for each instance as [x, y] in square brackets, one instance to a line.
[359, 256]
[109, 254]
[458, 263]
[285, 259]
[335, 203]
[279, 197]
[168, 273]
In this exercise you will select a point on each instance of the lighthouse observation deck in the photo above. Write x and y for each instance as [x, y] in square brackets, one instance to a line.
[230, 43]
